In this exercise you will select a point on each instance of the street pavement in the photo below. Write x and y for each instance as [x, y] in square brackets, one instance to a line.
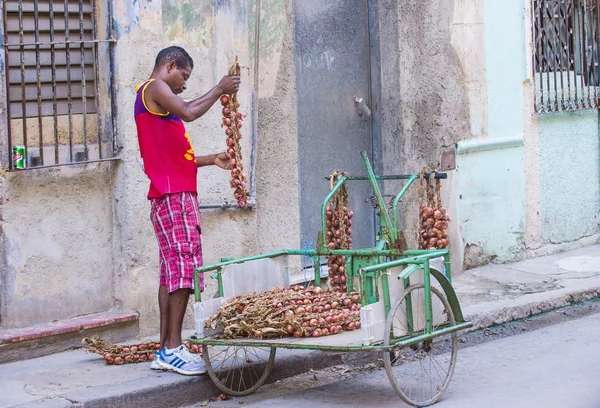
[552, 367]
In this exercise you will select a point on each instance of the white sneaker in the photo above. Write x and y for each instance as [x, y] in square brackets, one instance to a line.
[181, 361]
[155, 364]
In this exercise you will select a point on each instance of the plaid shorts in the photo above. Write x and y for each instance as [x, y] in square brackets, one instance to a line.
[176, 221]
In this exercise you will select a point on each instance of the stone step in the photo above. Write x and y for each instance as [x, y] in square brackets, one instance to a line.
[43, 339]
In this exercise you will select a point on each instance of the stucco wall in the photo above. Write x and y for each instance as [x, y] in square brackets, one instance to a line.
[56, 227]
[569, 176]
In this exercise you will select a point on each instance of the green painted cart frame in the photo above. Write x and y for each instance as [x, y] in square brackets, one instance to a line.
[371, 269]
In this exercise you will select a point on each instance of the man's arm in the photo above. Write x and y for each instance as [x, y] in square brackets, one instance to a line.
[220, 159]
[160, 93]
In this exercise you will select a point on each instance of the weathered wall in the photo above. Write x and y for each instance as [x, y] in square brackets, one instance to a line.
[56, 239]
[433, 92]
[490, 169]
[277, 144]
[569, 176]
[562, 169]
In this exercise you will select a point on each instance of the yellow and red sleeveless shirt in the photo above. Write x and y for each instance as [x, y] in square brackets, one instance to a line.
[165, 148]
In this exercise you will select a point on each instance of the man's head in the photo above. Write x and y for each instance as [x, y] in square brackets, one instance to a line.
[174, 66]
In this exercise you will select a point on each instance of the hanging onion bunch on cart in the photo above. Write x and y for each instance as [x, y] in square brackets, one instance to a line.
[433, 217]
[339, 231]
[291, 311]
[232, 121]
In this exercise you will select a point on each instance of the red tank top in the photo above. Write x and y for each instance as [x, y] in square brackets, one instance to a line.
[166, 150]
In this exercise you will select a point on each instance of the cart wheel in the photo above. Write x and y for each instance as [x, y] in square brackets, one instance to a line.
[238, 370]
[425, 368]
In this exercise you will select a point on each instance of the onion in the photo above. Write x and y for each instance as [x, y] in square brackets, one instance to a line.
[327, 306]
[318, 290]
[118, 360]
[228, 132]
[227, 121]
[357, 325]
[322, 322]
[289, 329]
[316, 333]
[350, 326]
[437, 214]
[226, 111]
[346, 302]
[321, 309]
[297, 333]
[343, 279]
[355, 298]
[325, 331]
[135, 358]
[224, 100]
[334, 305]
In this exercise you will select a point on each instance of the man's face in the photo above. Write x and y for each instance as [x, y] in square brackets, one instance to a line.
[178, 77]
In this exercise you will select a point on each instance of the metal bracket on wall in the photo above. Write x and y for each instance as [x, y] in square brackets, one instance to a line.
[362, 108]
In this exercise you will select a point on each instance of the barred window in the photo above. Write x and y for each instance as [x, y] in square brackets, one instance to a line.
[58, 56]
[565, 60]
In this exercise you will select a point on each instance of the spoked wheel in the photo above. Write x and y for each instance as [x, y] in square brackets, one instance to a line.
[420, 373]
[238, 370]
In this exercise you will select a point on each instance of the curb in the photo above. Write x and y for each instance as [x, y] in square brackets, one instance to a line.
[169, 390]
[494, 313]
[172, 390]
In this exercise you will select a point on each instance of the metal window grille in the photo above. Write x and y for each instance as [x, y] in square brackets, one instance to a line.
[565, 60]
[59, 59]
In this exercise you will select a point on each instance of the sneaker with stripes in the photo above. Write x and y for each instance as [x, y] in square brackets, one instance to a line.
[155, 364]
[181, 361]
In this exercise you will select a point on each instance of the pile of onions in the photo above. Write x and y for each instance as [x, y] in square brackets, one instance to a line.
[292, 311]
[128, 353]
[338, 220]
[434, 226]
[232, 120]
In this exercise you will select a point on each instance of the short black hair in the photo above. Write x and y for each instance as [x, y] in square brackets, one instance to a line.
[174, 53]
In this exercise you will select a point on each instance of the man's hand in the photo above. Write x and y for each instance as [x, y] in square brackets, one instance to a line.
[229, 85]
[223, 161]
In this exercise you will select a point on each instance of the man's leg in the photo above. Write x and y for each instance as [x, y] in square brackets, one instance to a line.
[178, 302]
[164, 307]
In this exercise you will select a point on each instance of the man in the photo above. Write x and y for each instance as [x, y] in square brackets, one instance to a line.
[171, 165]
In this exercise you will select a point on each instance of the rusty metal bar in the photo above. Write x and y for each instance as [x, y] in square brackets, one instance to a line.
[570, 59]
[111, 85]
[7, 79]
[83, 84]
[115, 159]
[68, 69]
[23, 92]
[556, 51]
[53, 69]
[39, 83]
[587, 54]
[575, 48]
[72, 42]
[561, 19]
[546, 56]
[595, 41]
[97, 79]
[538, 45]
[581, 50]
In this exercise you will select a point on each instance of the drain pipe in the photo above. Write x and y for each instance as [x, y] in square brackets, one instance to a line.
[226, 205]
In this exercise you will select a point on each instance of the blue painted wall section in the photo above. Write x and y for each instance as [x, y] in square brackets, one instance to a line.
[490, 185]
[569, 176]
[505, 65]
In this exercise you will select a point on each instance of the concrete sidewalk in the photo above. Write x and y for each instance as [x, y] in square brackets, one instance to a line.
[489, 295]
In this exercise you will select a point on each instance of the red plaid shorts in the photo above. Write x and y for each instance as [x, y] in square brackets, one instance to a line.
[176, 221]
